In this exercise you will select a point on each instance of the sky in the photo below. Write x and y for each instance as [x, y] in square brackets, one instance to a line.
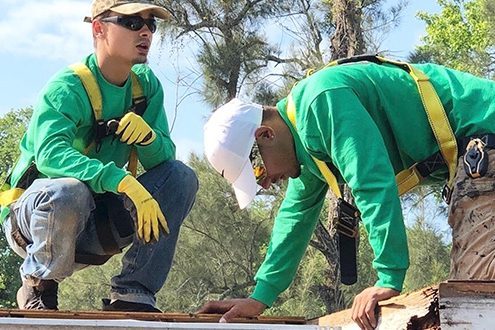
[38, 38]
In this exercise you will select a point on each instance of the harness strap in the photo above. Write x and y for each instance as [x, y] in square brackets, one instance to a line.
[91, 86]
[138, 100]
[437, 118]
[347, 242]
[9, 196]
[94, 94]
[325, 171]
[439, 124]
[137, 90]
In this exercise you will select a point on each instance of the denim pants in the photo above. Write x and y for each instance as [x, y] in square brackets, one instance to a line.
[57, 217]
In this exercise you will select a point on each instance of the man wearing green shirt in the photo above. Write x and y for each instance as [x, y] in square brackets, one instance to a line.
[367, 121]
[80, 205]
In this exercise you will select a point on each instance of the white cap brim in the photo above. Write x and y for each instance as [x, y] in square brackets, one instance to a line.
[245, 186]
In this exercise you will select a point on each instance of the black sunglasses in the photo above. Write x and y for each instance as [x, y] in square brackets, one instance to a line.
[133, 23]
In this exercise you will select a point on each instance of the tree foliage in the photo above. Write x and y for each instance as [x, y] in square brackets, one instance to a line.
[231, 47]
[85, 288]
[9, 274]
[220, 246]
[12, 126]
[235, 55]
[461, 36]
[428, 251]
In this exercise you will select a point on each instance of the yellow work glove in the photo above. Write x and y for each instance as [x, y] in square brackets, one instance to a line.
[134, 130]
[149, 216]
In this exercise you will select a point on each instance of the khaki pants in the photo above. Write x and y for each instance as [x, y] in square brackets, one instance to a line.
[472, 219]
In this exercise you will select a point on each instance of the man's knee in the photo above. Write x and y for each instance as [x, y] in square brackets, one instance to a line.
[70, 193]
[174, 185]
[68, 199]
[181, 179]
[188, 177]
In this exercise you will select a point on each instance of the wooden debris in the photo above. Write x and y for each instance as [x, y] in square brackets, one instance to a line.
[416, 310]
[467, 304]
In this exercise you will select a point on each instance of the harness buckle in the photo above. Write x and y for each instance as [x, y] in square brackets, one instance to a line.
[475, 159]
[111, 126]
[139, 105]
[101, 130]
[446, 194]
[105, 128]
[348, 230]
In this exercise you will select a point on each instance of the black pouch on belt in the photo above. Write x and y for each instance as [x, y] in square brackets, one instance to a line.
[109, 212]
[28, 177]
[476, 158]
[110, 209]
[348, 229]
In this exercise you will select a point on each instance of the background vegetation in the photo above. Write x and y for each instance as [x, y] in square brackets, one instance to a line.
[220, 246]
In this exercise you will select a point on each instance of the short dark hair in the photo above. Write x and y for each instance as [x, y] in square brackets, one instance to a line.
[269, 112]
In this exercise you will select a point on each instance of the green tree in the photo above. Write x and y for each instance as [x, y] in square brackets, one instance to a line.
[85, 288]
[12, 126]
[234, 54]
[489, 13]
[306, 296]
[461, 36]
[429, 254]
[220, 246]
[231, 48]
[430, 257]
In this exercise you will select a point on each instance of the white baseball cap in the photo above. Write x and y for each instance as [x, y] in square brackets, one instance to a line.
[229, 138]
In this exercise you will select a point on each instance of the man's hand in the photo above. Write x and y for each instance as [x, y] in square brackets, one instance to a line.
[134, 130]
[233, 308]
[150, 218]
[363, 308]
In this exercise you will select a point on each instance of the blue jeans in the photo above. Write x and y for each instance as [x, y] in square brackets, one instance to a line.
[58, 218]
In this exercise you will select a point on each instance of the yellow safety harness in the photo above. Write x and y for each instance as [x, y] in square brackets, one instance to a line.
[91, 86]
[411, 177]
[9, 195]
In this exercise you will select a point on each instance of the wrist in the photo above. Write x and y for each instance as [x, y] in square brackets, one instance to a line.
[125, 183]
[265, 293]
[150, 139]
[259, 306]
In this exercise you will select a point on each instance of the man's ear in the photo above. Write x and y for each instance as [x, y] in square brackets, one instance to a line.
[98, 28]
[264, 135]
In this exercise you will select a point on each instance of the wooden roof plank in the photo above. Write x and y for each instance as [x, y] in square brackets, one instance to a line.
[161, 317]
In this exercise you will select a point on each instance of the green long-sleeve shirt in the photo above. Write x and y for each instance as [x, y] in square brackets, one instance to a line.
[62, 126]
[369, 122]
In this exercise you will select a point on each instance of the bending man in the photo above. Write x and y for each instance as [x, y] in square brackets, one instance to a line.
[367, 122]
